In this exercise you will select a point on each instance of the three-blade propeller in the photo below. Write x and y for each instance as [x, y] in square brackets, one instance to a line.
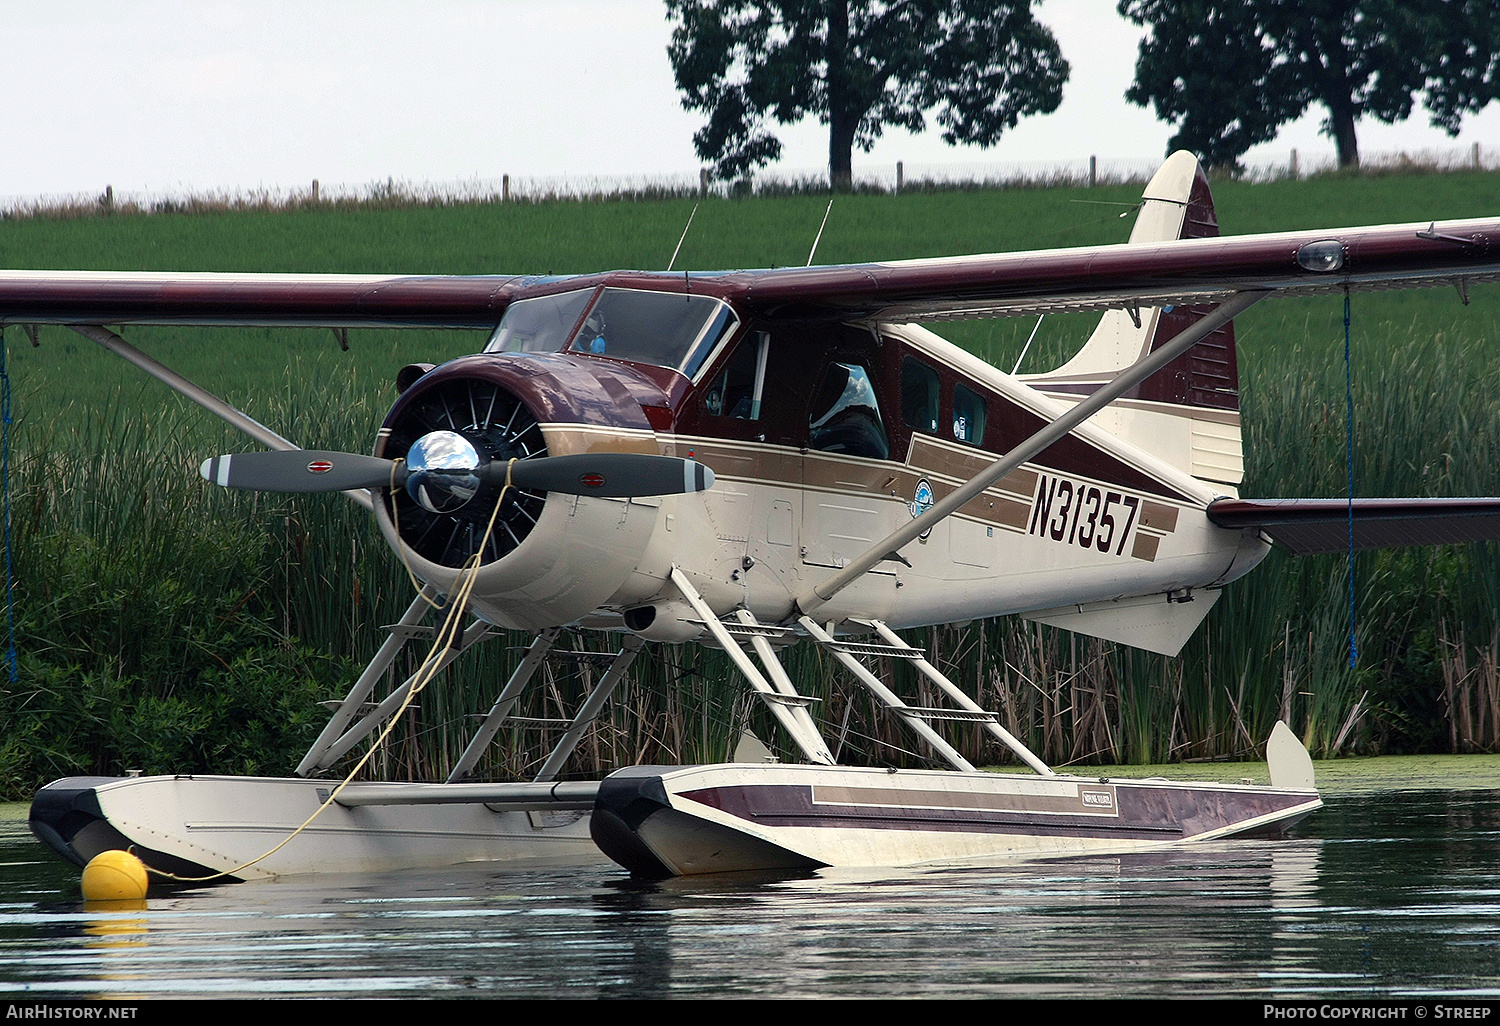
[445, 475]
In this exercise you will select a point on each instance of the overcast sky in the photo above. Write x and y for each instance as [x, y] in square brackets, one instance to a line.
[225, 95]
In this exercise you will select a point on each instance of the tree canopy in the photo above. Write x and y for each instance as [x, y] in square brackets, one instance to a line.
[1229, 73]
[978, 66]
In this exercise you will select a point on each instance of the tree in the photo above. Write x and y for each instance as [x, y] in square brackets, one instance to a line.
[858, 66]
[1229, 73]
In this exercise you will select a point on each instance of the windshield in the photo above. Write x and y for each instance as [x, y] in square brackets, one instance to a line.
[663, 328]
[539, 325]
[667, 329]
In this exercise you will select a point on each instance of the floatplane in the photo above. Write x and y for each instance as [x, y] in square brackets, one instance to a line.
[754, 459]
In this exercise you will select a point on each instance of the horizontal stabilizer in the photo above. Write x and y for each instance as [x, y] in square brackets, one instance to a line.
[1310, 526]
[1153, 623]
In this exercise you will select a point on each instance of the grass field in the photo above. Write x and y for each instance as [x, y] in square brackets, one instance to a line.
[163, 625]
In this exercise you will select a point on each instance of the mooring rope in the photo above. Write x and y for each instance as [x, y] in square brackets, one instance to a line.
[448, 635]
[1349, 464]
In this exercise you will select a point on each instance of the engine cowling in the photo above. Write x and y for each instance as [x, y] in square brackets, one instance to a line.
[548, 558]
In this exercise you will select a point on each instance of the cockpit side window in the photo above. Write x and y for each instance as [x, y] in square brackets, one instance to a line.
[738, 389]
[969, 415]
[845, 415]
[539, 325]
[919, 396]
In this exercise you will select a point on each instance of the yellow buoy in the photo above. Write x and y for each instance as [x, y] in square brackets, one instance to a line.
[114, 876]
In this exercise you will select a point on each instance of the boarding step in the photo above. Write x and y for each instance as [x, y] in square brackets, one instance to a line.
[957, 715]
[743, 633]
[581, 654]
[870, 648]
[538, 721]
[410, 631]
[797, 701]
[362, 709]
[738, 629]
[407, 631]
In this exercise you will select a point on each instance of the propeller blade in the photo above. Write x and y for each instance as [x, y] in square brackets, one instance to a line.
[618, 475]
[300, 470]
[609, 474]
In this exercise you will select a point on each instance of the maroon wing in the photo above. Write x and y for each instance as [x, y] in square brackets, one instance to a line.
[1122, 276]
[103, 297]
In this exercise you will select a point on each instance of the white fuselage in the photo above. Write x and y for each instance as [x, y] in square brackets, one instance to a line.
[781, 519]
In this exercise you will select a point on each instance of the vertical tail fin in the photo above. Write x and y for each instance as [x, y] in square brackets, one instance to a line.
[1188, 413]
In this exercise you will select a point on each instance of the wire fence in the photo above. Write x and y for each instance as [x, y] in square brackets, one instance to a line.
[873, 178]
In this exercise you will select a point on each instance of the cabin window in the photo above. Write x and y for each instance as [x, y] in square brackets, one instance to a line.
[845, 415]
[919, 396]
[737, 391]
[969, 414]
[539, 325]
[662, 328]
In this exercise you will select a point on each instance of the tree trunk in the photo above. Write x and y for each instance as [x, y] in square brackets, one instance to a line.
[1329, 62]
[841, 151]
[841, 126]
[1341, 119]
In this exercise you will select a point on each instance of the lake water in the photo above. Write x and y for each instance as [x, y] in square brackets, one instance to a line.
[1385, 894]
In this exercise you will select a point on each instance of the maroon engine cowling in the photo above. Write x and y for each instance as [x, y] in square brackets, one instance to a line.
[499, 402]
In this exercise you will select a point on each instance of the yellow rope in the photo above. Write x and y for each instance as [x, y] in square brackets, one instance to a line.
[468, 574]
[401, 549]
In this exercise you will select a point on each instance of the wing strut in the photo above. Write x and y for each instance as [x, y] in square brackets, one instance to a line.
[210, 402]
[399, 634]
[817, 595]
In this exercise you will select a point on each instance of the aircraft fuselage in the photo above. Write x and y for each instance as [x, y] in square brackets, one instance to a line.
[824, 437]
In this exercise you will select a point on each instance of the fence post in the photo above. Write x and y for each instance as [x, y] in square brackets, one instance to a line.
[1093, 170]
[1477, 166]
[505, 188]
[315, 190]
[901, 176]
[1294, 165]
[703, 182]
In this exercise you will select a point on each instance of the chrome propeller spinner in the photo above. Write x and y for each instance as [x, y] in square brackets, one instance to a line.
[442, 471]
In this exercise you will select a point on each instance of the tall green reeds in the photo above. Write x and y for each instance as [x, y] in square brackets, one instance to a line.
[167, 625]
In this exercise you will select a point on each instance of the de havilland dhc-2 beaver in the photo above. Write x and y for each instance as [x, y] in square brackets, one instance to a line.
[754, 459]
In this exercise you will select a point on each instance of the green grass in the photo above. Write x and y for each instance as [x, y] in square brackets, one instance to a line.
[164, 625]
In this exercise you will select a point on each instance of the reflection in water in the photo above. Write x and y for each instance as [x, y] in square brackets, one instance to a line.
[1387, 895]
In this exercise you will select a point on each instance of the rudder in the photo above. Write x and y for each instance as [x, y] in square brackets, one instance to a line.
[1187, 413]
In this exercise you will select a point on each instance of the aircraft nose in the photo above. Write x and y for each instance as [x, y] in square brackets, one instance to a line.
[443, 471]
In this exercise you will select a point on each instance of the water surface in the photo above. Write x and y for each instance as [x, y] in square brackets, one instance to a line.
[1386, 893]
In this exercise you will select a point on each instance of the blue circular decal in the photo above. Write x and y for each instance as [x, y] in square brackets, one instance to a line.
[921, 502]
